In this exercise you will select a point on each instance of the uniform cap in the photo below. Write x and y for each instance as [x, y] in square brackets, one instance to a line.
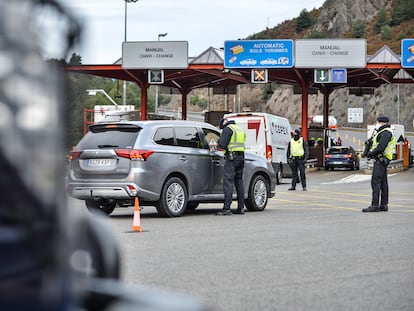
[296, 132]
[383, 119]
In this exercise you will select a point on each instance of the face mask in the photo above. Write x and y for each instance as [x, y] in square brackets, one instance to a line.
[296, 137]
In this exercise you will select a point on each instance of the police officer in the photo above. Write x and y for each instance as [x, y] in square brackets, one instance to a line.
[297, 155]
[382, 150]
[232, 140]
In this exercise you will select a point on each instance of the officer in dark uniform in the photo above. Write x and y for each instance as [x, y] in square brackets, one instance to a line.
[297, 154]
[232, 140]
[381, 151]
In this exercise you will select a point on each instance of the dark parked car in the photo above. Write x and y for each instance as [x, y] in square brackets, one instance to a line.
[341, 157]
[171, 164]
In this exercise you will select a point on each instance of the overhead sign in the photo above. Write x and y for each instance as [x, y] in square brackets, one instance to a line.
[321, 76]
[330, 75]
[156, 76]
[407, 53]
[355, 115]
[258, 54]
[339, 75]
[325, 53]
[155, 55]
[258, 76]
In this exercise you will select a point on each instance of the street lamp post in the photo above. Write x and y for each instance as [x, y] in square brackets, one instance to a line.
[125, 39]
[157, 88]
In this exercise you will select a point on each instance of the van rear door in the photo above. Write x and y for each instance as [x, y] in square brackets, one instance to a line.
[254, 127]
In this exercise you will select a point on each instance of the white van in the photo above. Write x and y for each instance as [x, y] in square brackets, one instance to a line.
[267, 135]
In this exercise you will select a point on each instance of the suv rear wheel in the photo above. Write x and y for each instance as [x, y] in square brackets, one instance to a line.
[173, 199]
[258, 194]
[106, 206]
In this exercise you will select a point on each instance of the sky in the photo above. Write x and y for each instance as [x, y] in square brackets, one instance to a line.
[202, 23]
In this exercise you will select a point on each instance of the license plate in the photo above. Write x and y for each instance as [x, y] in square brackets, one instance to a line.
[99, 162]
[336, 162]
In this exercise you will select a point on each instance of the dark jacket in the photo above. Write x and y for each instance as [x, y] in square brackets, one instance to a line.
[225, 135]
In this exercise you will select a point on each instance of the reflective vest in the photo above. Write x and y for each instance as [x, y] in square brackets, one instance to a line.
[296, 147]
[237, 139]
[390, 149]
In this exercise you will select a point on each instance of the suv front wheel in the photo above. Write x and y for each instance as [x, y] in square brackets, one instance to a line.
[258, 194]
[173, 199]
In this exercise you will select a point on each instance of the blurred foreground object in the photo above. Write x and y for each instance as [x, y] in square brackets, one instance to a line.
[50, 260]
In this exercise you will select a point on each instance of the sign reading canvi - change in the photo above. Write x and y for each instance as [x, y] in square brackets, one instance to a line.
[155, 55]
[328, 53]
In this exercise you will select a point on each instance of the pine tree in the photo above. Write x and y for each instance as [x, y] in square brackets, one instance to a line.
[381, 20]
[358, 29]
[304, 21]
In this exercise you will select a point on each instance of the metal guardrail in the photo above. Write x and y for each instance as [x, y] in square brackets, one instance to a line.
[311, 163]
[394, 166]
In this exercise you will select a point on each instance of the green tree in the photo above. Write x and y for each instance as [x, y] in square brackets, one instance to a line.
[381, 20]
[386, 32]
[75, 59]
[403, 11]
[316, 34]
[304, 21]
[358, 29]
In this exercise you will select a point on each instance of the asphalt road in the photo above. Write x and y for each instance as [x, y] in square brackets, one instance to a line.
[311, 250]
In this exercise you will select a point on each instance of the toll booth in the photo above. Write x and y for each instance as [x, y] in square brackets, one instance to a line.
[315, 143]
[319, 140]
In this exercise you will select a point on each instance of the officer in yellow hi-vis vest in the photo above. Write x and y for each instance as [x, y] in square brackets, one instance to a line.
[297, 154]
[382, 150]
[232, 140]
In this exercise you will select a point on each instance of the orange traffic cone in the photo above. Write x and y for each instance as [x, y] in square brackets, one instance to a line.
[136, 224]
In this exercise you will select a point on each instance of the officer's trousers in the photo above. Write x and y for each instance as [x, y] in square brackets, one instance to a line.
[379, 183]
[233, 176]
[298, 164]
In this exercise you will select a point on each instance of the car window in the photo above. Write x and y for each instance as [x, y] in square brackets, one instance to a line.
[188, 137]
[338, 150]
[108, 139]
[211, 139]
[164, 136]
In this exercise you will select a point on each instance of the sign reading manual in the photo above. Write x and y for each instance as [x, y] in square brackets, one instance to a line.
[258, 54]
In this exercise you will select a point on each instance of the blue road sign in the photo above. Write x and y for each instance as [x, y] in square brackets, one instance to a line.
[338, 75]
[407, 53]
[258, 54]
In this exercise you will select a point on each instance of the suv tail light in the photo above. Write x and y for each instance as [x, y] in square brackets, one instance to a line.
[349, 155]
[134, 154]
[74, 155]
[328, 155]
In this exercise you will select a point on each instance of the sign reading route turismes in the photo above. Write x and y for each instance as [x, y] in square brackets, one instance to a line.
[258, 54]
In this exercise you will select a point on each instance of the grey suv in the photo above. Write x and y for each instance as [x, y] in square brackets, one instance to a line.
[170, 164]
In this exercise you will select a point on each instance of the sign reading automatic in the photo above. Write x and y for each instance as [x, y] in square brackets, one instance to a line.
[258, 54]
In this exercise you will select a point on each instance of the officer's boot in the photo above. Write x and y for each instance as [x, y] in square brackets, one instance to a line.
[383, 208]
[371, 209]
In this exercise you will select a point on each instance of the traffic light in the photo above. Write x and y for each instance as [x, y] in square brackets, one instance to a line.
[259, 76]
[156, 76]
